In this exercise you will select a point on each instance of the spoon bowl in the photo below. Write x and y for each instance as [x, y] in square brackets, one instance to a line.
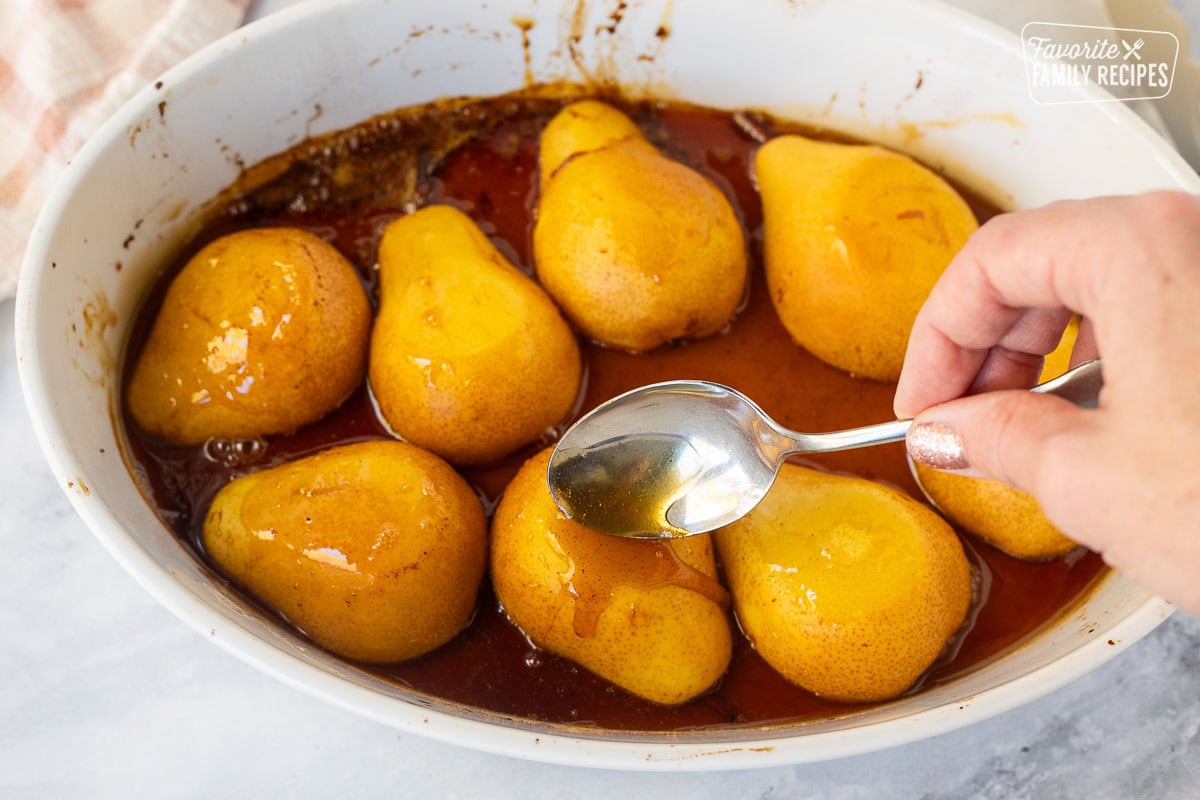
[685, 457]
[668, 459]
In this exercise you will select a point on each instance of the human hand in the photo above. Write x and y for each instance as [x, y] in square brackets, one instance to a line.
[1123, 479]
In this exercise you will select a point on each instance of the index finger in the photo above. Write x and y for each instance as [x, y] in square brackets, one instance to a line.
[1005, 292]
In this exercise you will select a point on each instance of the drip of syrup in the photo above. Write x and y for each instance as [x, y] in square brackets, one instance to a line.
[598, 565]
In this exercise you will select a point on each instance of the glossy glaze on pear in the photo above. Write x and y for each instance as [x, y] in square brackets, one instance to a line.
[846, 587]
[375, 550]
[263, 331]
[469, 357]
[648, 616]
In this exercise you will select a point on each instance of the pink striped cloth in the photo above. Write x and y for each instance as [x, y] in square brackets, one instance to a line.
[65, 66]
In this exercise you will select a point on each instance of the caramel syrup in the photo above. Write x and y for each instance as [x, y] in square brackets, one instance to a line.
[482, 157]
[629, 562]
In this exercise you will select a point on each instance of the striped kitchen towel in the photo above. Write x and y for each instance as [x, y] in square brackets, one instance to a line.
[65, 66]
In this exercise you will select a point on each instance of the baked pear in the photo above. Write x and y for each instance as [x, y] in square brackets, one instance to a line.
[649, 616]
[854, 238]
[469, 357]
[263, 331]
[637, 249]
[846, 587]
[376, 550]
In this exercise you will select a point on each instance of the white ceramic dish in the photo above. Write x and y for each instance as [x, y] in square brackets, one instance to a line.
[916, 75]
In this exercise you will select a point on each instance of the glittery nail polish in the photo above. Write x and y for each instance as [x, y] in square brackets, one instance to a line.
[937, 445]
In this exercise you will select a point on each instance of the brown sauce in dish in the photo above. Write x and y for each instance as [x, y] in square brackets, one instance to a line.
[482, 157]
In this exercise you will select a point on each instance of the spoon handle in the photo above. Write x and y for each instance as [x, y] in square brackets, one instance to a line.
[1080, 385]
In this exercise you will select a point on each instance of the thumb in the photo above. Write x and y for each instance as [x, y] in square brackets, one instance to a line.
[1033, 442]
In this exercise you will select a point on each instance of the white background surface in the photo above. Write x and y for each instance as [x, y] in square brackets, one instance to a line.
[105, 694]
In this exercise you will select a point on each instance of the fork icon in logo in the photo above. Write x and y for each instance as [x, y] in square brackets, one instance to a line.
[1132, 49]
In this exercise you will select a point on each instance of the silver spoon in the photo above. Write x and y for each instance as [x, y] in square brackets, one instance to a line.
[686, 457]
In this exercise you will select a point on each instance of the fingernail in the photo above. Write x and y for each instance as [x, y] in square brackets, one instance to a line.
[937, 445]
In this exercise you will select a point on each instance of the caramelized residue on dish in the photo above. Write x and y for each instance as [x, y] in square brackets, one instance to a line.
[482, 157]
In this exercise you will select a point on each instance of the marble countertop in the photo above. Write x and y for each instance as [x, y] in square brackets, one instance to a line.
[106, 694]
